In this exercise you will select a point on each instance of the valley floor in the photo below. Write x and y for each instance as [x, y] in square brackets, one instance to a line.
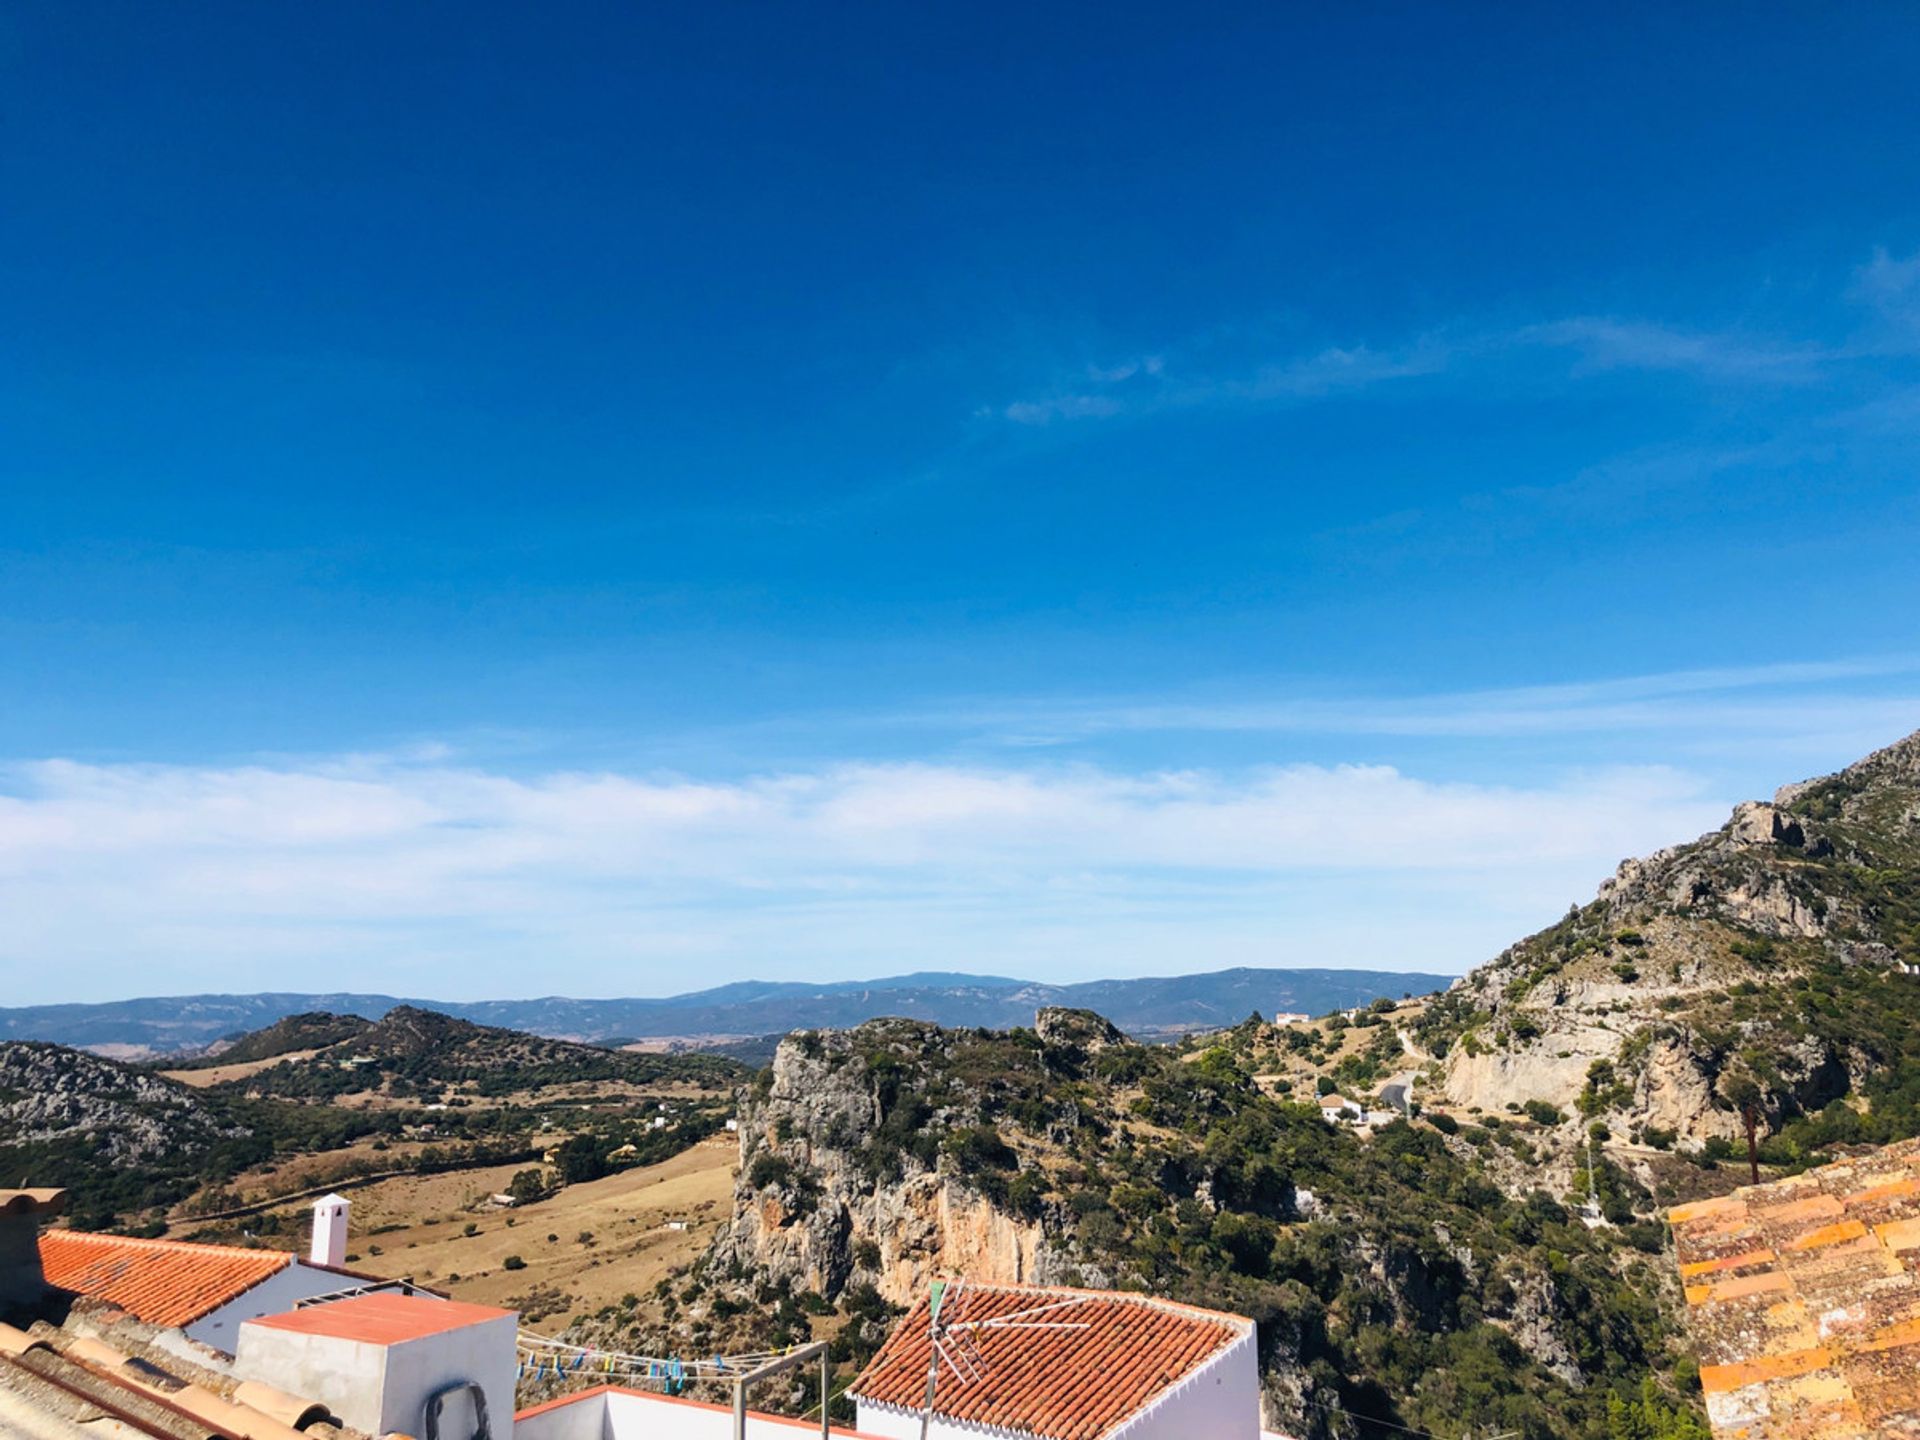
[583, 1248]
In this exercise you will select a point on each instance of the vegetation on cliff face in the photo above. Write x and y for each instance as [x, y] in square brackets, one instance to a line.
[1393, 1281]
[1434, 1270]
[1753, 973]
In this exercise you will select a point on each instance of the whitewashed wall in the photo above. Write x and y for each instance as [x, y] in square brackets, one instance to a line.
[380, 1388]
[639, 1415]
[275, 1295]
[1220, 1400]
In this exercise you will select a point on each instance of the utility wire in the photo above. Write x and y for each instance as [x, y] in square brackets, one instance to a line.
[541, 1350]
[1369, 1419]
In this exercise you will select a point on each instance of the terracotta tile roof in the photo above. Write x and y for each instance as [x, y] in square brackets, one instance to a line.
[1060, 1384]
[1804, 1301]
[54, 1383]
[164, 1282]
[382, 1318]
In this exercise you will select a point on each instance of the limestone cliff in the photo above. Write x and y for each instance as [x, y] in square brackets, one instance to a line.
[838, 1185]
[1379, 1268]
[1626, 1009]
[125, 1117]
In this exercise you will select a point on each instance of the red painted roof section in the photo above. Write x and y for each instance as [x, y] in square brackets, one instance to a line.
[164, 1282]
[383, 1318]
[1062, 1384]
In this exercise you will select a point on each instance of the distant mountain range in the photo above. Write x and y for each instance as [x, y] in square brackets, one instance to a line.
[188, 1024]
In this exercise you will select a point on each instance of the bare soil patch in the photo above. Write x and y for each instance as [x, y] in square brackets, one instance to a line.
[239, 1070]
[625, 1218]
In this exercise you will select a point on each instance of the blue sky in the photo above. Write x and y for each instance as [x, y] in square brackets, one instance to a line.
[497, 501]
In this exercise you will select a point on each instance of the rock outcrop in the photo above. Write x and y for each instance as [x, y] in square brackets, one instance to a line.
[826, 1198]
[50, 1094]
[1615, 1012]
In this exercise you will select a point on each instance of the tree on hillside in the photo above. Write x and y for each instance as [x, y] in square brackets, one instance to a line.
[580, 1160]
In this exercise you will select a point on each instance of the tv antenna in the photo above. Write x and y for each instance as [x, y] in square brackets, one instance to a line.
[955, 1342]
[1591, 1214]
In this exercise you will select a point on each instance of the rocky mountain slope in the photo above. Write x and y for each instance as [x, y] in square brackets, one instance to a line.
[184, 1025]
[50, 1095]
[1753, 971]
[1392, 1280]
[132, 1145]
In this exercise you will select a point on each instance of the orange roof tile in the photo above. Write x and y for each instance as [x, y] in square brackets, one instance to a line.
[60, 1377]
[1061, 1383]
[164, 1282]
[1804, 1301]
[382, 1318]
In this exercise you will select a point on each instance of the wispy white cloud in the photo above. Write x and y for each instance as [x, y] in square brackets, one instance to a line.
[1841, 706]
[1888, 283]
[1888, 289]
[1598, 343]
[1137, 387]
[1062, 407]
[1332, 371]
[1605, 343]
[429, 877]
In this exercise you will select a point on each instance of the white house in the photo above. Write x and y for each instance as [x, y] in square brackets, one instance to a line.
[1045, 1363]
[205, 1290]
[391, 1364]
[1337, 1108]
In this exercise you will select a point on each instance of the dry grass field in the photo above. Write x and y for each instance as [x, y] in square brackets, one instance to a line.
[590, 1243]
[239, 1070]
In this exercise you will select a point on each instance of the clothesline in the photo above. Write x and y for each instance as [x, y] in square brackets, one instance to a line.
[542, 1356]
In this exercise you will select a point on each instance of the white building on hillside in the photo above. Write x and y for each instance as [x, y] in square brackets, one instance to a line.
[1337, 1108]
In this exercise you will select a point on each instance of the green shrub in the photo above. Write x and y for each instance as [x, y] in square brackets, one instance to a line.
[768, 1170]
[975, 1148]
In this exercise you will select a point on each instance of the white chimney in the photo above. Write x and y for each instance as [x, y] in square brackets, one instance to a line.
[329, 1231]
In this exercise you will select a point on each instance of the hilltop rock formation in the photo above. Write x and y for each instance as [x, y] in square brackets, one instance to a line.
[839, 1182]
[51, 1095]
[1381, 1269]
[1626, 1011]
